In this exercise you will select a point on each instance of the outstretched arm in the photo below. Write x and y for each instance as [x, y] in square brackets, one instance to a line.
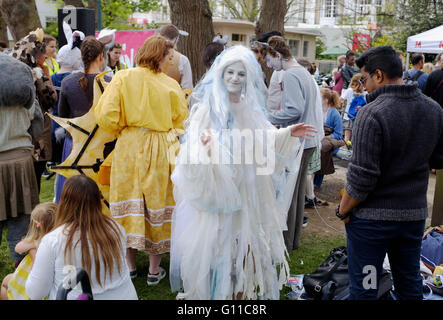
[302, 130]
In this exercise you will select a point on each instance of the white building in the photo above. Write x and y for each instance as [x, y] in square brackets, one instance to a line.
[47, 11]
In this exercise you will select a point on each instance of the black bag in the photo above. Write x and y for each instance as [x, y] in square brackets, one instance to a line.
[330, 278]
[384, 289]
[330, 281]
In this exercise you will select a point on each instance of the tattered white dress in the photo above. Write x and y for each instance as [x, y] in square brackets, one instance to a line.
[228, 221]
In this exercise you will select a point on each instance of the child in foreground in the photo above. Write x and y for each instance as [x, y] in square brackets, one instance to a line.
[41, 223]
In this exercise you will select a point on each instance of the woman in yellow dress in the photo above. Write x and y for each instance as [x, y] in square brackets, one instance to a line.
[144, 107]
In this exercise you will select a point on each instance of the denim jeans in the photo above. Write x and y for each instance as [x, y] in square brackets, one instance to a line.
[368, 241]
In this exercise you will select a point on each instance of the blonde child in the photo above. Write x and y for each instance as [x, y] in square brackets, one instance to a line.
[355, 89]
[41, 223]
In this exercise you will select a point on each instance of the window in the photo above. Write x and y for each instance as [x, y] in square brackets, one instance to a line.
[305, 48]
[330, 10]
[238, 37]
[364, 7]
[294, 45]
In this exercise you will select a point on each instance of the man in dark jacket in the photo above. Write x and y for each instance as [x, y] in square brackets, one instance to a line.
[397, 137]
[434, 86]
[348, 69]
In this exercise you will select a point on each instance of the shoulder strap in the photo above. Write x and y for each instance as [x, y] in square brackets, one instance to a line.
[417, 75]
[102, 89]
[436, 88]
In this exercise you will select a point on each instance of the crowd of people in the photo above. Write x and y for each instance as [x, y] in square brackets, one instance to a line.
[180, 184]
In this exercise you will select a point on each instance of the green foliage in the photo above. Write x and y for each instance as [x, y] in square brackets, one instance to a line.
[52, 29]
[415, 17]
[116, 13]
[384, 40]
[321, 47]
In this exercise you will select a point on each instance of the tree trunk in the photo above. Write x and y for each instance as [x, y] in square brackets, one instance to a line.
[3, 30]
[194, 17]
[272, 17]
[74, 3]
[20, 16]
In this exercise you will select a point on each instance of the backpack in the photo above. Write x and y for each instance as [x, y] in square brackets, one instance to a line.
[412, 80]
[330, 281]
[356, 103]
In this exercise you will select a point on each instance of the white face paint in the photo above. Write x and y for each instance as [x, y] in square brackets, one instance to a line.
[234, 77]
[274, 62]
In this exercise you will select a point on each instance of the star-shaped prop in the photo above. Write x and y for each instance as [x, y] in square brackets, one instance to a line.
[90, 145]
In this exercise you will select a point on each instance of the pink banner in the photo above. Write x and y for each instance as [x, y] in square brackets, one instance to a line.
[131, 41]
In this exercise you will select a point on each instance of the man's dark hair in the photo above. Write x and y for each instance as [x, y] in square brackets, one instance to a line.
[349, 54]
[265, 36]
[383, 58]
[416, 58]
[210, 52]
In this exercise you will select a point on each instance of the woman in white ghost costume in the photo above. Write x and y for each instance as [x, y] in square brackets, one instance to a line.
[227, 226]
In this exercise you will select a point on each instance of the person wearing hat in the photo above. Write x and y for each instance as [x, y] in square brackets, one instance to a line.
[179, 67]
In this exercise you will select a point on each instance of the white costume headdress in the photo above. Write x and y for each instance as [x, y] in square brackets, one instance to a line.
[70, 54]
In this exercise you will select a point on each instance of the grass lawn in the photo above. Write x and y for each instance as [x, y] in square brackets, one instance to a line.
[313, 251]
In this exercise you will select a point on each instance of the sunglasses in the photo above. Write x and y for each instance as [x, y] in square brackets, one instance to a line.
[363, 81]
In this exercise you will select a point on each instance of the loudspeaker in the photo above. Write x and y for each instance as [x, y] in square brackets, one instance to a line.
[82, 19]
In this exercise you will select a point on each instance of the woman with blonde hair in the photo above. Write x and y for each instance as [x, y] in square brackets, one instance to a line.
[83, 237]
[356, 89]
[428, 67]
[144, 107]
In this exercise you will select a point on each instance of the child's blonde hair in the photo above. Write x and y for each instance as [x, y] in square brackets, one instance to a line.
[41, 222]
[331, 97]
[356, 84]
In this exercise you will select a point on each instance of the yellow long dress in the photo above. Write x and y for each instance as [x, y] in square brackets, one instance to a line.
[145, 109]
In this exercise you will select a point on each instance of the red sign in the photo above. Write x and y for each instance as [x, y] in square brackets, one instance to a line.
[418, 44]
[441, 44]
[361, 41]
[131, 41]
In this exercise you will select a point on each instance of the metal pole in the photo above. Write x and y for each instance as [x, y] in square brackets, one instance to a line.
[99, 14]
[407, 61]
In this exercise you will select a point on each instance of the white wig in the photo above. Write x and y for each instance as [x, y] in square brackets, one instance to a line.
[212, 90]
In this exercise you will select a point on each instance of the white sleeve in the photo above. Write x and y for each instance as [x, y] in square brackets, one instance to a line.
[40, 280]
[184, 67]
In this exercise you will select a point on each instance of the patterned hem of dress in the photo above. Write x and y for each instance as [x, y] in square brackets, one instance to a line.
[136, 207]
[144, 244]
